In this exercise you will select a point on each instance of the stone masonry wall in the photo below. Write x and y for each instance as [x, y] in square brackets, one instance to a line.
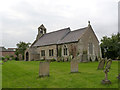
[47, 48]
[83, 44]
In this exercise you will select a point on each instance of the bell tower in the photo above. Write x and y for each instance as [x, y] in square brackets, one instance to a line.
[41, 31]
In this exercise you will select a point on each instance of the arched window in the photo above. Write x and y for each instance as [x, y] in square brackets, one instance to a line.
[65, 50]
[90, 48]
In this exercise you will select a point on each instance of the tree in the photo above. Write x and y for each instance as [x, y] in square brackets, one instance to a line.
[110, 46]
[21, 47]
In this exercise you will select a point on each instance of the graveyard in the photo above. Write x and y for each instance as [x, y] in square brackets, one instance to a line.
[22, 74]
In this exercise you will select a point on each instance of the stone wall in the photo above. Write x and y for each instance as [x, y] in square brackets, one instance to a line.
[83, 44]
[8, 53]
[71, 47]
[47, 48]
[33, 54]
[74, 49]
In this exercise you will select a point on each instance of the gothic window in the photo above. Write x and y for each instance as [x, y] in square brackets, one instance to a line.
[65, 50]
[51, 52]
[90, 48]
[42, 52]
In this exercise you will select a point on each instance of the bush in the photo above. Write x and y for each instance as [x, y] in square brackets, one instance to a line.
[16, 58]
[2, 58]
[7, 57]
[12, 57]
[52, 60]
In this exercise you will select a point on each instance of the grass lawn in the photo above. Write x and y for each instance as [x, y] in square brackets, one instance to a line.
[21, 74]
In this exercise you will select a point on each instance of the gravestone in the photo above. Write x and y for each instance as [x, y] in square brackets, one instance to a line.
[101, 64]
[20, 57]
[10, 58]
[84, 58]
[74, 66]
[44, 69]
[108, 64]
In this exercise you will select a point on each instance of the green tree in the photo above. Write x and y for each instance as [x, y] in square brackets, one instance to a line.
[21, 47]
[110, 46]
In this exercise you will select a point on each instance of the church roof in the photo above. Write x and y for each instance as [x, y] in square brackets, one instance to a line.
[52, 37]
[73, 36]
[61, 36]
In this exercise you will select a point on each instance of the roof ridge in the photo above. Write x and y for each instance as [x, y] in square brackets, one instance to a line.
[79, 29]
[58, 30]
[63, 37]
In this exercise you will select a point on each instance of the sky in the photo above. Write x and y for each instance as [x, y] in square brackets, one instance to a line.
[20, 19]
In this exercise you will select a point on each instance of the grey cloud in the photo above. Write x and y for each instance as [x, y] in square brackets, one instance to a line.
[23, 27]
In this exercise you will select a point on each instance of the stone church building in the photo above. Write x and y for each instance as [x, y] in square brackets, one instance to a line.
[64, 44]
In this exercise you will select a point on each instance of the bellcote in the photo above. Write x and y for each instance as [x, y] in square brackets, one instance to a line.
[41, 31]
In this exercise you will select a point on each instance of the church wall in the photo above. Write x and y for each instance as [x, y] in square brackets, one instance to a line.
[83, 44]
[71, 50]
[47, 48]
[33, 54]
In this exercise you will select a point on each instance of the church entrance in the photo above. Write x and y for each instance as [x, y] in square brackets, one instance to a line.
[27, 56]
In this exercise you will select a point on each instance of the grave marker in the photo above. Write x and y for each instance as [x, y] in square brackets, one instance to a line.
[74, 66]
[101, 64]
[108, 64]
[44, 69]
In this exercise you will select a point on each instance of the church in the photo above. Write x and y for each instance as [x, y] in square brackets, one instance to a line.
[62, 44]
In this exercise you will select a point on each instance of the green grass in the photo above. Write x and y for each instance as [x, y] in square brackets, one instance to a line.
[21, 74]
[0, 74]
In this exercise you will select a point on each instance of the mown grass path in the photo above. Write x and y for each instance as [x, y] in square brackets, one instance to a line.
[21, 74]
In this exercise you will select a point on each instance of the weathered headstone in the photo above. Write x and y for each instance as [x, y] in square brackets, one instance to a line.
[10, 58]
[20, 57]
[74, 66]
[44, 69]
[101, 64]
[84, 58]
[106, 81]
[109, 62]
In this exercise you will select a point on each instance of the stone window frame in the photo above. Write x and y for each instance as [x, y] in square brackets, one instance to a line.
[91, 47]
[42, 53]
[65, 50]
[51, 52]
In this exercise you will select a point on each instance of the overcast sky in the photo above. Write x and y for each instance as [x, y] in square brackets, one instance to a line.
[19, 19]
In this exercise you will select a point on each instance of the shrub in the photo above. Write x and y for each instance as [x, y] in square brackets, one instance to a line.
[12, 57]
[7, 57]
[16, 58]
[52, 60]
[2, 58]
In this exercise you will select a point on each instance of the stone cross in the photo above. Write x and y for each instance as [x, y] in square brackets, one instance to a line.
[44, 69]
[108, 64]
[106, 81]
[101, 64]
[74, 66]
[20, 57]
